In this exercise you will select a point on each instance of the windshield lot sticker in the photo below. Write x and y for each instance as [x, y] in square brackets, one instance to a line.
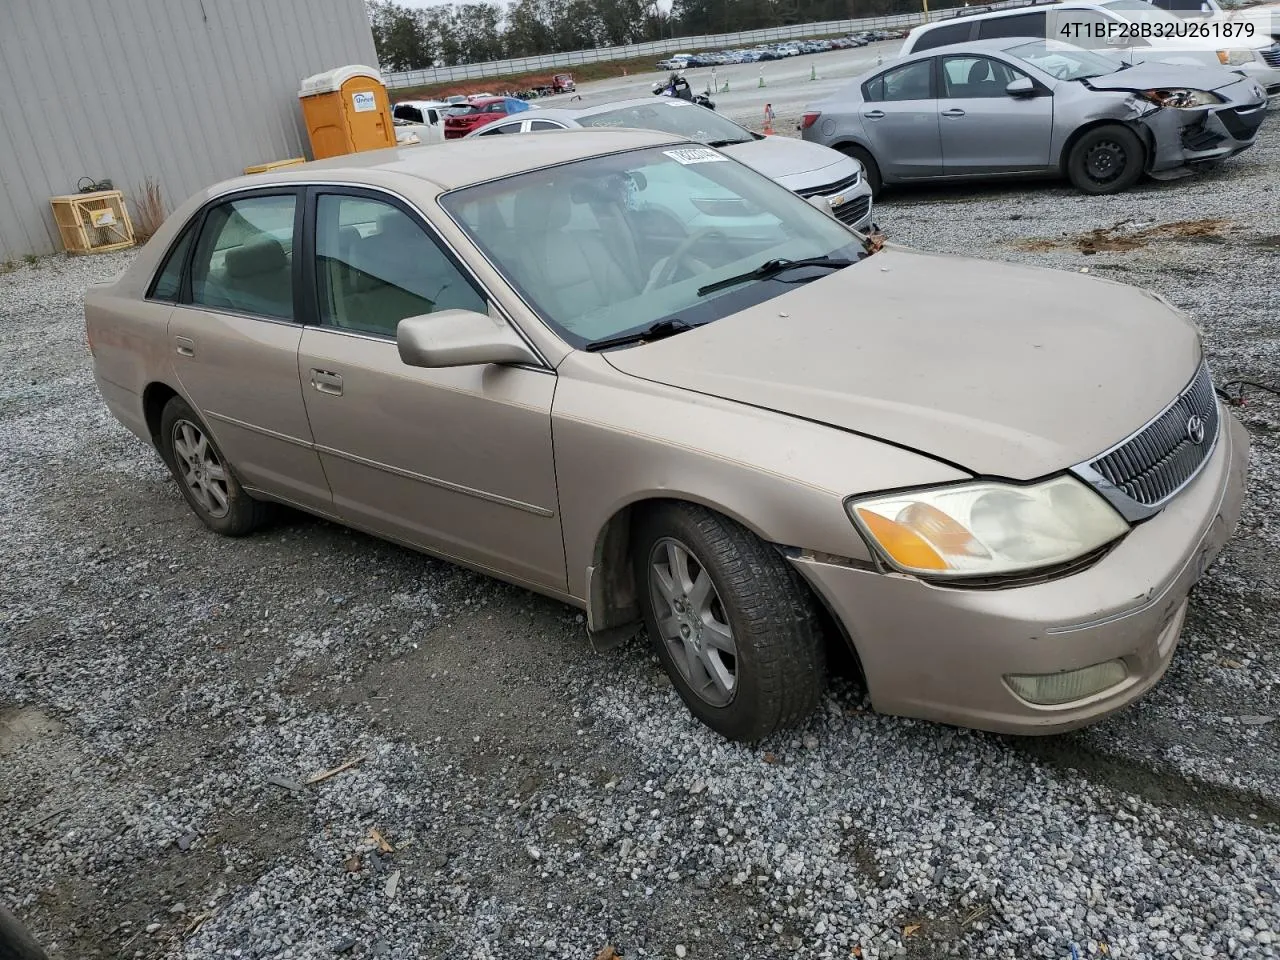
[694, 155]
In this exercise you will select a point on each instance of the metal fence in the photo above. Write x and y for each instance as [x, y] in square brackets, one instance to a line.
[655, 48]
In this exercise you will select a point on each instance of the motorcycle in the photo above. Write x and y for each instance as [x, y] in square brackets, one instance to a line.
[679, 88]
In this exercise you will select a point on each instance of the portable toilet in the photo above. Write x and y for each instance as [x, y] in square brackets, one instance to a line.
[347, 111]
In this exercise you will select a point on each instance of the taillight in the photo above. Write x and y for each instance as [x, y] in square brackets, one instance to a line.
[809, 120]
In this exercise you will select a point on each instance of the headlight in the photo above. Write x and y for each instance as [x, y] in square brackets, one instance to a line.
[1235, 58]
[983, 529]
[1176, 97]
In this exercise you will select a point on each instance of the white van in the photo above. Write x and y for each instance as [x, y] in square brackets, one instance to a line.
[1258, 58]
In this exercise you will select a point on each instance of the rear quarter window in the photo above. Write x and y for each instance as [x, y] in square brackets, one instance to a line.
[941, 36]
[1019, 25]
[168, 279]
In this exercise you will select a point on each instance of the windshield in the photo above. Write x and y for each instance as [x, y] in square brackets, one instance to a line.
[611, 244]
[679, 117]
[1063, 61]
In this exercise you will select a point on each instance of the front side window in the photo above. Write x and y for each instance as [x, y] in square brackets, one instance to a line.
[243, 260]
[377, 265]
[966, 77]
[544, 125]
[495, 128]
[914, 81]
[168, 279]
[679, 117]
[603, 246]
[407, 111]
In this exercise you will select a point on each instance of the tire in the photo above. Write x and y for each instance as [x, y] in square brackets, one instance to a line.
[730, 592]
[15, 942]
[1106, 159]
[211, 489]
[869, 164]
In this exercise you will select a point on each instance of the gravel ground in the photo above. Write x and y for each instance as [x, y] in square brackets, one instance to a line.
[165, 695]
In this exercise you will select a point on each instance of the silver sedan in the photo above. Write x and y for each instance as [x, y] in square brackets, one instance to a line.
[1019, 107]
[808, 169]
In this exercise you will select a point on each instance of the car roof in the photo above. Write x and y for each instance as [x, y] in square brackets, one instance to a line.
[457, 163]
[1028, 7]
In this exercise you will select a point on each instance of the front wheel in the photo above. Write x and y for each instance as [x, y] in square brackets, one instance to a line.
[15, 942]
[735, 627]
[1106, 159]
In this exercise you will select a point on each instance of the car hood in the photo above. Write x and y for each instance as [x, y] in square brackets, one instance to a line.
[1150, 75]
[1003, 370]
[795, 164]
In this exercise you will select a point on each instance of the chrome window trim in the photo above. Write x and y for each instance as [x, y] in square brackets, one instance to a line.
[1133, 510]
[426, 223]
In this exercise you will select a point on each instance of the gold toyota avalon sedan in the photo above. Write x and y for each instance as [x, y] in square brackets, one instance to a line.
[637, 376]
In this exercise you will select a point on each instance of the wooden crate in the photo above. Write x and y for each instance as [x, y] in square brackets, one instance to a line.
[93, 222]
[274, 165]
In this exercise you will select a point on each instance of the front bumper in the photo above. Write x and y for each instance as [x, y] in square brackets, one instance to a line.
[942, 653]
[1184, 138]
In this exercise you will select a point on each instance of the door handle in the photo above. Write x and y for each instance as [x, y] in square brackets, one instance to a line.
[953, 112]
[326, 382]
[874, 114]
[186, 346]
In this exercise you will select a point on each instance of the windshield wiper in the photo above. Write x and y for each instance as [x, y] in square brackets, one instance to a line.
[771, 268]
[655, 331]
[727, 143]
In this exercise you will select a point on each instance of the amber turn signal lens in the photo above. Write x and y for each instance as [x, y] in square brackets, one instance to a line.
[903, 544]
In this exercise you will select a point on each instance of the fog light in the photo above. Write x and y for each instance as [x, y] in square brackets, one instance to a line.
[1055, 688]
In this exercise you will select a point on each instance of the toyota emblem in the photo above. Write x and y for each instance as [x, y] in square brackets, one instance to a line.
[1195, 428]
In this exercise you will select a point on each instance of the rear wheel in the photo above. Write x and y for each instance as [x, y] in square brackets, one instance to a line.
[735, 627]
[1106, 159]
[868, 162]
[205, 478]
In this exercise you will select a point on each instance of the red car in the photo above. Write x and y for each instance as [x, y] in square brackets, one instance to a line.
[465, 117]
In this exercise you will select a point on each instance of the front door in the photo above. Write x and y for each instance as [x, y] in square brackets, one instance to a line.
[234, 337]
[457, 461]
[984, 129]
[900, 116]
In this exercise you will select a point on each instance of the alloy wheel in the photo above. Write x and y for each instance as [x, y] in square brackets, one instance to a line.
[202, 471]
[692, 622]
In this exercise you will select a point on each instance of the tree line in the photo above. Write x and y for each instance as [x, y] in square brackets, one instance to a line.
[414, 39]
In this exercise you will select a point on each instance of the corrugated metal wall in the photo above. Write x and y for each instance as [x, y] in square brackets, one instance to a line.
[186, 91]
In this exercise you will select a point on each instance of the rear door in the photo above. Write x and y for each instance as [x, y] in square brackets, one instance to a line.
[983, 128]
[234, 333]
[900, 116]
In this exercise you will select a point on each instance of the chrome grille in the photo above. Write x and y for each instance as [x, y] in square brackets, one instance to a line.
[829, 188]
[853, 211]
[1272, 55]
[1161, 458]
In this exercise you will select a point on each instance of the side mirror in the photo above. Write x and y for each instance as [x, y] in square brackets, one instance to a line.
[1022, 87]
[821, 203]
[459, 338]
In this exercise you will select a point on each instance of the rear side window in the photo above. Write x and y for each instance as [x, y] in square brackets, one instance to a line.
[169, 280]
[941, 36]
[494, 128]
[544, 125]
[243, 260]
[404, 111]
[1019, 25]
[914, 81]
